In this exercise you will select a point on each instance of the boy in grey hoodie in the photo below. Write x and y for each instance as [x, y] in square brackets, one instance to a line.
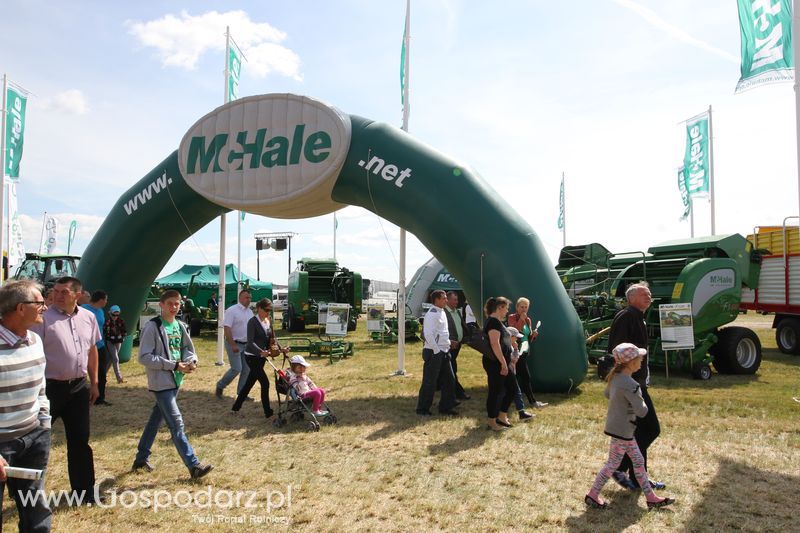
[167, 352]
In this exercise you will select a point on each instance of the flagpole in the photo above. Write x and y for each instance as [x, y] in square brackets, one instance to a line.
[691, 216]
[41, 237]
[222, 219]
[564, 222]
[334, 235]
[3, 170]
[711, 170]
[796, 47]
[401, 292]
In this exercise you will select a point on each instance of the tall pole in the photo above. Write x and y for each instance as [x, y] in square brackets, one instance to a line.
[3, 170]
[401, 293]
[334, 235]
[221, 307]
[711, 170]
[239, 283]
[564, 221]
[796, 48]
[41, 236]
[691, 216]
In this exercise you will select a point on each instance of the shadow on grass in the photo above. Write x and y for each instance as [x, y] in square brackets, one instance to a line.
[741, 497]
[624, 510]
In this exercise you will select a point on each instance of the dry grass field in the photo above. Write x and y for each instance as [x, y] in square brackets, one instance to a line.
[729, 452]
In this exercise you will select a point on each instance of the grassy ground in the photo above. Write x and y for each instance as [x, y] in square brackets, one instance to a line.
[729, 452]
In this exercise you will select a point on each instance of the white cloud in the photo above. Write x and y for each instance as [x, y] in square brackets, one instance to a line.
[72, 102]
[87, 226]
[181, 40]
[674, 31]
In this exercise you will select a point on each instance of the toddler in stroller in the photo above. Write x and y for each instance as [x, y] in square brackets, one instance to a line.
[299, 390]
[306, 388]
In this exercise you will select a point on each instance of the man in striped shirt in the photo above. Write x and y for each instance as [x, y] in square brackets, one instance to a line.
[25, 416]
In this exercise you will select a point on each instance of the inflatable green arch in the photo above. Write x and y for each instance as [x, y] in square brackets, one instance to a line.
[290, 156]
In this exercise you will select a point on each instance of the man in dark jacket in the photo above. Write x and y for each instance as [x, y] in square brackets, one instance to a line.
[629, 326]
[458, 329]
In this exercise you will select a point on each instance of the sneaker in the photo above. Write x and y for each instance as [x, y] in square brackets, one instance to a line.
[662, 503]
[142, 465]
[199, 470]
[657, 485]
[623, 481]
[319, 413]
[539, 405]
[525, 416]
[502, 423]
[218, 393]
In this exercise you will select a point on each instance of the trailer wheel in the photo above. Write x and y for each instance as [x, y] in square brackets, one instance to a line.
[787, 335]
[293, 324]
[194, 327]
[741, 348]
[701, 371]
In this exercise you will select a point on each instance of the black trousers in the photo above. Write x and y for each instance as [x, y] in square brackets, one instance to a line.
[436, 370]
[501, 388]
[458, 388]
[256, 366]
[647, 430]
[524, 378]
[69, 400]
[103, 362]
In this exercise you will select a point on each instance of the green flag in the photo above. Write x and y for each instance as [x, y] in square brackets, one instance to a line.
[696, 161]
[766, 30]
[561, 206]
[687, 202]
[234, 70]
[15, 131]
[403, 52]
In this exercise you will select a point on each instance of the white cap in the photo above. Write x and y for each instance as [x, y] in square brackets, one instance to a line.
[299, 360]
[515, 332]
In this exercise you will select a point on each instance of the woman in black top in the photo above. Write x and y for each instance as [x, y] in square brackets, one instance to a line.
[260, 344]
[501, 385]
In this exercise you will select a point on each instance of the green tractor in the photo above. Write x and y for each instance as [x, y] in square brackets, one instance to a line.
[47, 268]
[316, 283]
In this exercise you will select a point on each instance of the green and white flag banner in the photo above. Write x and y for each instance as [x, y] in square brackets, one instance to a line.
[16, 101]
[561, 206]
[234, 71]
[687, 202]
[16, 248]
[696, 160]
[766, 31]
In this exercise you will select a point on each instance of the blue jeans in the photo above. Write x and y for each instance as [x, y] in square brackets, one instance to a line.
[238, 368]
[166, 409]
[29, 451]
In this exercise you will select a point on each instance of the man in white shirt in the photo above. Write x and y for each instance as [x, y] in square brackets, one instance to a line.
[436, 369]
[236, 318]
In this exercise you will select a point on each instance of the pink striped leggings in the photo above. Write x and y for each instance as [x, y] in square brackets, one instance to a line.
[317, 397]
[616, 452]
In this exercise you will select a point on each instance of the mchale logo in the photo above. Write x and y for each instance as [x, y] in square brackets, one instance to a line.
[276, 155]
[280, 151]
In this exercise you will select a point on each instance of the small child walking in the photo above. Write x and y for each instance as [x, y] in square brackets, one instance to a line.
[304, 386]
[519, 403]
[625, 403]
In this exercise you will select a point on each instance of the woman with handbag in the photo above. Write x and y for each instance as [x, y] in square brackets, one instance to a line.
[261, 344]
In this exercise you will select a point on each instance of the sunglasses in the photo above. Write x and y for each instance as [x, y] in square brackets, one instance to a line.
[37, 303]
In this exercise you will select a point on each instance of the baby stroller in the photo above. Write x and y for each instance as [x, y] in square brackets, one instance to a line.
[292, 407]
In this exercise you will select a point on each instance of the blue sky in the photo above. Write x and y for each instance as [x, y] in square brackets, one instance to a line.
[520, 90]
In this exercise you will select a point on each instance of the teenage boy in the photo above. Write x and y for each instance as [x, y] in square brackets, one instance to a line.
[167, 353]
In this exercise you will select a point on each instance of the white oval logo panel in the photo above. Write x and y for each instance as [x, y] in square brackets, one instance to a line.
[276, 155]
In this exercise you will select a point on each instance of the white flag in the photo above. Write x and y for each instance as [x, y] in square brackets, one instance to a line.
[51, 227]
[16, 249]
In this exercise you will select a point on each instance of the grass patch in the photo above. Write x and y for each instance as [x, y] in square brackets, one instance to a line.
[729, 452]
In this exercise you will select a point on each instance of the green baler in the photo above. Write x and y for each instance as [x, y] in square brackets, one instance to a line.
[316, 283]
[707, 272]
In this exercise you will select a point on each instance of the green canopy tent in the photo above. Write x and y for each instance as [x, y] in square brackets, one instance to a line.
[429, 277]
[198, 282]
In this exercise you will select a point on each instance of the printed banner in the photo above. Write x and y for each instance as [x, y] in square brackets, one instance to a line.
[561, 206]
[375, 316]
[234, 70]
[696, 161]
[767, 55]
[687, 202]
[336, 320]
[15, 131]
[51, 228]
[403, 52]
[16, 249]
[73, 227]
[677, 331]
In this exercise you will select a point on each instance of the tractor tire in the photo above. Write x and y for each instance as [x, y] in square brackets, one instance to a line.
[352, 323]
[740, 349]
[787, 335]
[194, 327]
[701, 371]
[294, 325]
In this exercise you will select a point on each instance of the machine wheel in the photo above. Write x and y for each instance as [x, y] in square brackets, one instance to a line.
[194, 327]
[787, 335]
[351, 324]
[313, 426]
[293, 325]
[741, 349]
[701, 371]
